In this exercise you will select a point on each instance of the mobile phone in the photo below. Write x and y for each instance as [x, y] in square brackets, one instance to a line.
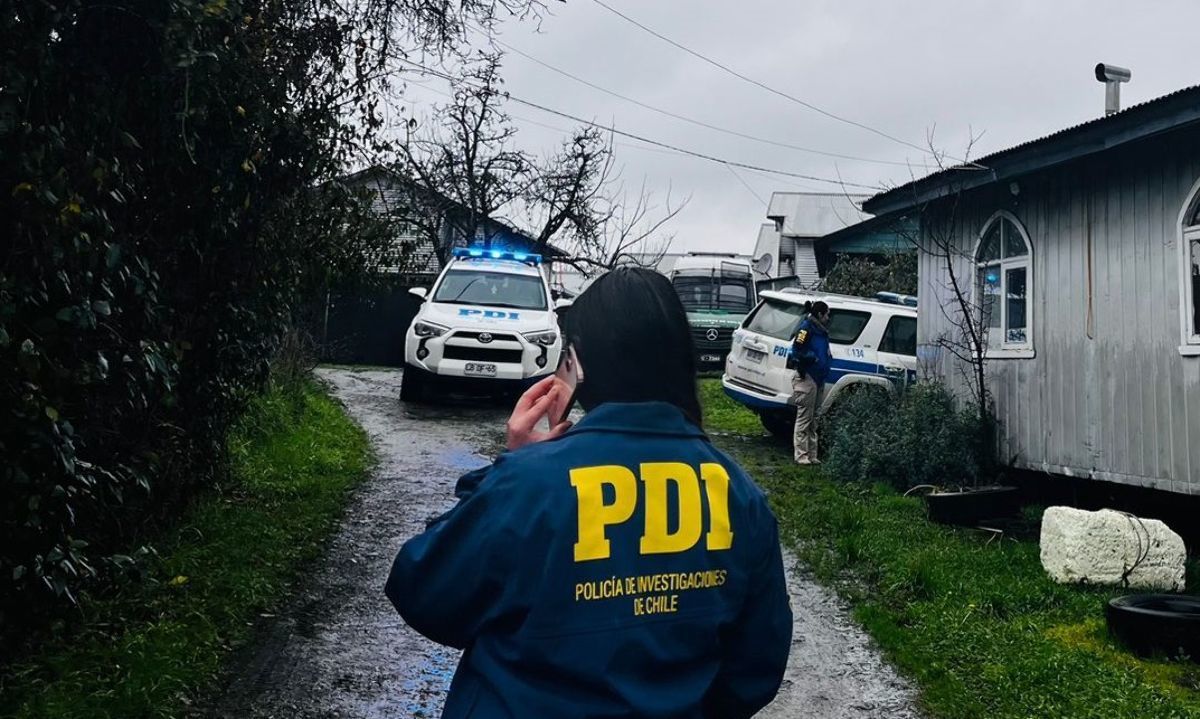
[568, 376]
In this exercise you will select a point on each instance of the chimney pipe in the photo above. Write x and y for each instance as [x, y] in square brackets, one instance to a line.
[1112, 77]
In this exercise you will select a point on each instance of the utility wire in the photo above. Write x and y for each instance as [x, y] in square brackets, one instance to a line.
[648, 141]
[745, 184]
[565, 131]
[780, 93]
[684, 118]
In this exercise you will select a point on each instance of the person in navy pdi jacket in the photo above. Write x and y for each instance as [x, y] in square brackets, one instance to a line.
[809, 356]
[623, 567]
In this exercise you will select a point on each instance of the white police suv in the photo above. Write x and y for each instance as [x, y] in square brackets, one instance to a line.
[873, 343]
[488, 319]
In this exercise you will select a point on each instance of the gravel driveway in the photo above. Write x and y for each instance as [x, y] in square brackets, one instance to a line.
[338, 649]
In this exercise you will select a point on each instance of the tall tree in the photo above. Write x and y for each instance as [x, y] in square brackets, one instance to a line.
[458, 174]
[465, 170]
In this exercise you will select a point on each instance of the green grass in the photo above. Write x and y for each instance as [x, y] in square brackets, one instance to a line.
[724, 416]
[153, 647]
[976, 623]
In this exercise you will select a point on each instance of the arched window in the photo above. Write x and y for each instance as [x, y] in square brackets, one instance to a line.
[1003, 283]
[1189, 273]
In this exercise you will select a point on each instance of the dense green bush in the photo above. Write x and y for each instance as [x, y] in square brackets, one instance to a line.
[916, 436]
[168, 200]
[863, 277]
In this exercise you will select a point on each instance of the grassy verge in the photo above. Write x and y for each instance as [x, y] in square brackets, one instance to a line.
[972, 618]
[149, 650]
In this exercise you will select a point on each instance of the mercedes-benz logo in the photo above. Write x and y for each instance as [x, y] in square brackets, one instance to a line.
[712, 335]
[485, 337]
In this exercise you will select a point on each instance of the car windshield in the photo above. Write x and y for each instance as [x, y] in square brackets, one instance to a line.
[700, 293]
[497, 289]
[776, 319]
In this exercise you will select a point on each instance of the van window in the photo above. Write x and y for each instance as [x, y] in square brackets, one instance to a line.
[712, 292]
[900, 337]
[846, 325]
[776, 319]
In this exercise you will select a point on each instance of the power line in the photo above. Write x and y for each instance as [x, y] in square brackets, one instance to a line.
[565, 131]
[649, 141]
[684, 118]
[772, 90]
[745, 184]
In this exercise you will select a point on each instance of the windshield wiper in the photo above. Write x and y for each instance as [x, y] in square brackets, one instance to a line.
[510, 304]
[466, 287]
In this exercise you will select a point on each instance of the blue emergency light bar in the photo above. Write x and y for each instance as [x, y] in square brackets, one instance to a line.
[497, 255]
[895, 298]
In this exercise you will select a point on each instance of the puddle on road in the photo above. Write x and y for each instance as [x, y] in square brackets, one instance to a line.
[462, 459]
[426, 685]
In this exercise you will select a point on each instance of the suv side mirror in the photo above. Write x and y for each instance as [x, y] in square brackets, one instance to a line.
[562, 304]
[419, 292]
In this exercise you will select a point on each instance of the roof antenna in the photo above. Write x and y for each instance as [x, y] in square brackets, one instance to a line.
[1112, 77]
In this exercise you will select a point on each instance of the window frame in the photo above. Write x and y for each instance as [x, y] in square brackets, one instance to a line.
[1005, 349]
[888, 335]
[1189, 339]
[861, 329]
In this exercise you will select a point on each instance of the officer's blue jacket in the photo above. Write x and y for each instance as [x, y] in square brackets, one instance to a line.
[625, 569]
[811, 346]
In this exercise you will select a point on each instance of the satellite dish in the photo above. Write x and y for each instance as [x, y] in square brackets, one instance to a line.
[762, 265]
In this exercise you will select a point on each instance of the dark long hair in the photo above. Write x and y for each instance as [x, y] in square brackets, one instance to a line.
[817, 308]
[634, 345]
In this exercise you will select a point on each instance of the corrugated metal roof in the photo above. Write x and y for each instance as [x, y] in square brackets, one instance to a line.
[815, 214]
[1141, 112]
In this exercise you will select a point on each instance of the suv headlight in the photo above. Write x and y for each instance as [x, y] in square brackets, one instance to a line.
[428, 329]
[544, 338]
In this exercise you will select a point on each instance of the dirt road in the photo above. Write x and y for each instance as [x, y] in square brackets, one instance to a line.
[339, 649]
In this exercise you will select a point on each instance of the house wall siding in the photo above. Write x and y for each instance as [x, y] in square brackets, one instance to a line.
[1108, 394]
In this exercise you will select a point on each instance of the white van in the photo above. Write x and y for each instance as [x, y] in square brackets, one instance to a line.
[873, 343]
[488, 319]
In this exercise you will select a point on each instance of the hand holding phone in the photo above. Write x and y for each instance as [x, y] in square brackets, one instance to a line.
[567, 379]
[539, 401]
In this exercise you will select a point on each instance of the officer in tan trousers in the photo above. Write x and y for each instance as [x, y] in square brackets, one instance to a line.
[810, 358]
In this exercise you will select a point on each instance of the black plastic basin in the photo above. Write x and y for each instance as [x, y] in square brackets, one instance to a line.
[970, 507]
[1156, 624]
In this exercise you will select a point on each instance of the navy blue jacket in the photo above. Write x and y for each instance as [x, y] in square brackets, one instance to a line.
[811, 350]
[627, 568]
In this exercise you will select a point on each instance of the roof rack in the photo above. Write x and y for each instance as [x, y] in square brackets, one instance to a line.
[890, 298]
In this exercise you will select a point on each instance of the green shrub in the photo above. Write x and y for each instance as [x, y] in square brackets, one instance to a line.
[863, 277]
[917, 436]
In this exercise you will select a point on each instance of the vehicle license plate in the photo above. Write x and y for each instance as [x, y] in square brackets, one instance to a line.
[755, 356]
[710, 358]
[479, 369]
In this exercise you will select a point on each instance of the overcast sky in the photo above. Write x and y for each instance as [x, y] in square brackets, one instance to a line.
[1011, 70]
